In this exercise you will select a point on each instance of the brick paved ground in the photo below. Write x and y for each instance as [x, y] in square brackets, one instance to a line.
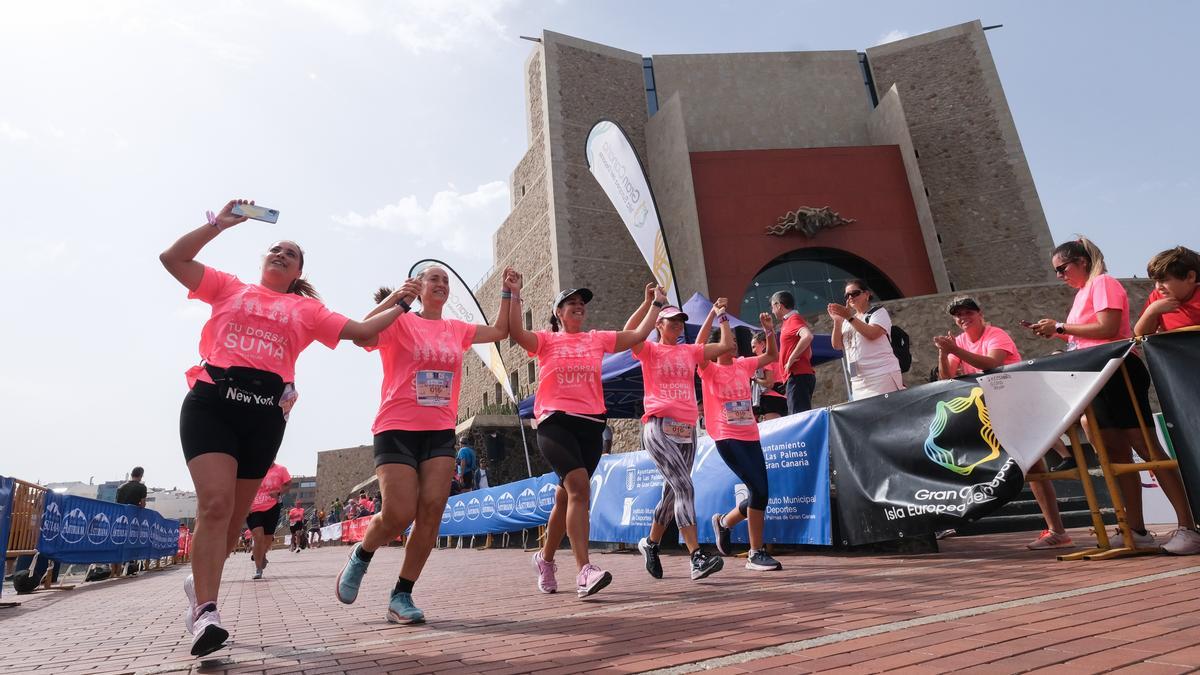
[983, 605]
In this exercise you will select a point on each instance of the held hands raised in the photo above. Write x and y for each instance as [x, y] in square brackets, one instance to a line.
[513, 280]
[718, 307]
[660, 295]
[410, 291]
[767, 322]
[650, 291]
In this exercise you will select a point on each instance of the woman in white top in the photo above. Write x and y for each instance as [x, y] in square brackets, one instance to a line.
[864, 334]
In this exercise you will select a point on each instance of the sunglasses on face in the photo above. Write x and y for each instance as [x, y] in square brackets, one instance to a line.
[1062, 269]
[853, 294]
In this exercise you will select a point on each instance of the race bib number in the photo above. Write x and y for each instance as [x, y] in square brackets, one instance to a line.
[680, 432]
[434, 387]
[739, 413]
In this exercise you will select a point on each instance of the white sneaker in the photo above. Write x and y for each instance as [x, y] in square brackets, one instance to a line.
[1183, 542]
[189, 619]
[209, 634]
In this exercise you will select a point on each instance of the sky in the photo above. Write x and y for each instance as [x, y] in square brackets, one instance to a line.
[385, 132]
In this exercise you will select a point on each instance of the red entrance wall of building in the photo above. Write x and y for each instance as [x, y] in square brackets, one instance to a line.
[739, 193]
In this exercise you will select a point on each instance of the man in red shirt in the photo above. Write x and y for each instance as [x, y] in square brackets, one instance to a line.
[795, 353]
[1174, 302]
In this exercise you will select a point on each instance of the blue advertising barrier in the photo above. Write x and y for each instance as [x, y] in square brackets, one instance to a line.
[81, 530]
[504, 508]
[626, 488]
[6, 497]
[796, 449]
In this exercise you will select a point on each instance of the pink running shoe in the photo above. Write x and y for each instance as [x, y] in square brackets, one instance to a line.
[546, 569]
[1049, 539]
[591, 580]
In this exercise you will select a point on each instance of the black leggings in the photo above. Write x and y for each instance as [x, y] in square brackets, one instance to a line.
[745, 459]
[569, 442]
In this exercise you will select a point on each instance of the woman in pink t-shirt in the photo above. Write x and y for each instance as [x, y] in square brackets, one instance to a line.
[264, 514]
[669, 426]
[233, 417]
[570, 413]
[771, 404]
[1100, 314]
[422, 355]
[729, 420]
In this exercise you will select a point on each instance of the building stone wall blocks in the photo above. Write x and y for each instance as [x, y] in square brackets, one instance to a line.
[341, 469]
[670, 172]
[889, 126]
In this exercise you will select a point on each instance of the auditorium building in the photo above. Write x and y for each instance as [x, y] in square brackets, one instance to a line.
[904, 158]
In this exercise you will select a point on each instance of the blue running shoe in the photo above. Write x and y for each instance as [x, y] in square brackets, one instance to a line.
[351, 576]
[402, 610]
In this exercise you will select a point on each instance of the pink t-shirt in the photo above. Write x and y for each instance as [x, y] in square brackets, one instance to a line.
[295, 514]
[668, 379]
[992, 338]
[1099, 294]
[422, 373]
[256, 327]
[773, 369]
[728, 411]
[277, 477]
[569, 371]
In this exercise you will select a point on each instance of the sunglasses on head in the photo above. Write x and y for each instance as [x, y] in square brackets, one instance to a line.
[854, 293]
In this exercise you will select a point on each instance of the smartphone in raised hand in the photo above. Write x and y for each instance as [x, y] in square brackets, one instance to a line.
[256, 212]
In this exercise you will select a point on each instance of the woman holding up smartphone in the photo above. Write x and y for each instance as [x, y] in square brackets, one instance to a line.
[422, 354]
[233, 417]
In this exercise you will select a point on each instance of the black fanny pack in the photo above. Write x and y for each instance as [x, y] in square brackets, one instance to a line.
[244, 386]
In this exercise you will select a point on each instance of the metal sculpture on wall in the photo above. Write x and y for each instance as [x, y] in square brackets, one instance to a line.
[808, 220]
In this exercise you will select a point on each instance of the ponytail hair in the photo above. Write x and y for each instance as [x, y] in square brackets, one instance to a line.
[301, 286]
[1083, 249]
[555, 324]
[382, 293]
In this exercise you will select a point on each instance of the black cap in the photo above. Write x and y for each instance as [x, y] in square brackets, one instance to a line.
[584, 293]
[962, 302]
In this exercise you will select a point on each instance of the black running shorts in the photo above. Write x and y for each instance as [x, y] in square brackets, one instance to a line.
[268, 520]
[250, 434]
[569, 442]
[413, 447]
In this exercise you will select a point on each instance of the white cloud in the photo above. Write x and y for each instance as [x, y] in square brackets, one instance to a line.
[13, 134]
[892, 36]
[453, 221]
[419, 25]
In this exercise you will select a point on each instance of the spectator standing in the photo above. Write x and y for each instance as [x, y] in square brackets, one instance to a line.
[979, 347]
[769, 403]
[132, 492]
[1100, 314]
[795, 353]
[337, 510]
[863, 332]
[467, 466]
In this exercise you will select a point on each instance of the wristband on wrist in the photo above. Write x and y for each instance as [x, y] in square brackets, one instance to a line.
[722, 318]
[506, 295]
[212, 219]
[658, 304]
[403, 305]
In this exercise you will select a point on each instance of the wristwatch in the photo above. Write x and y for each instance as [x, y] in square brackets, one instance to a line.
[403, 305]
[1060, 328]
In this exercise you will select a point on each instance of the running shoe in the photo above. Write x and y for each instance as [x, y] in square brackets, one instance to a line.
[591, 580]
[759, 561]
[1050, 539]
[650, 553]
[402, 610]
[189, 619]
[721, 535]
[209, 635]
[704, 564]
[1183, 542]
[350, 578]
[546, 583]
[1139, 540]
[257, 573]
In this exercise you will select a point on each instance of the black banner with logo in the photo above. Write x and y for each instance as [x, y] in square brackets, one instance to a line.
[915, 461]
[1173, 359]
